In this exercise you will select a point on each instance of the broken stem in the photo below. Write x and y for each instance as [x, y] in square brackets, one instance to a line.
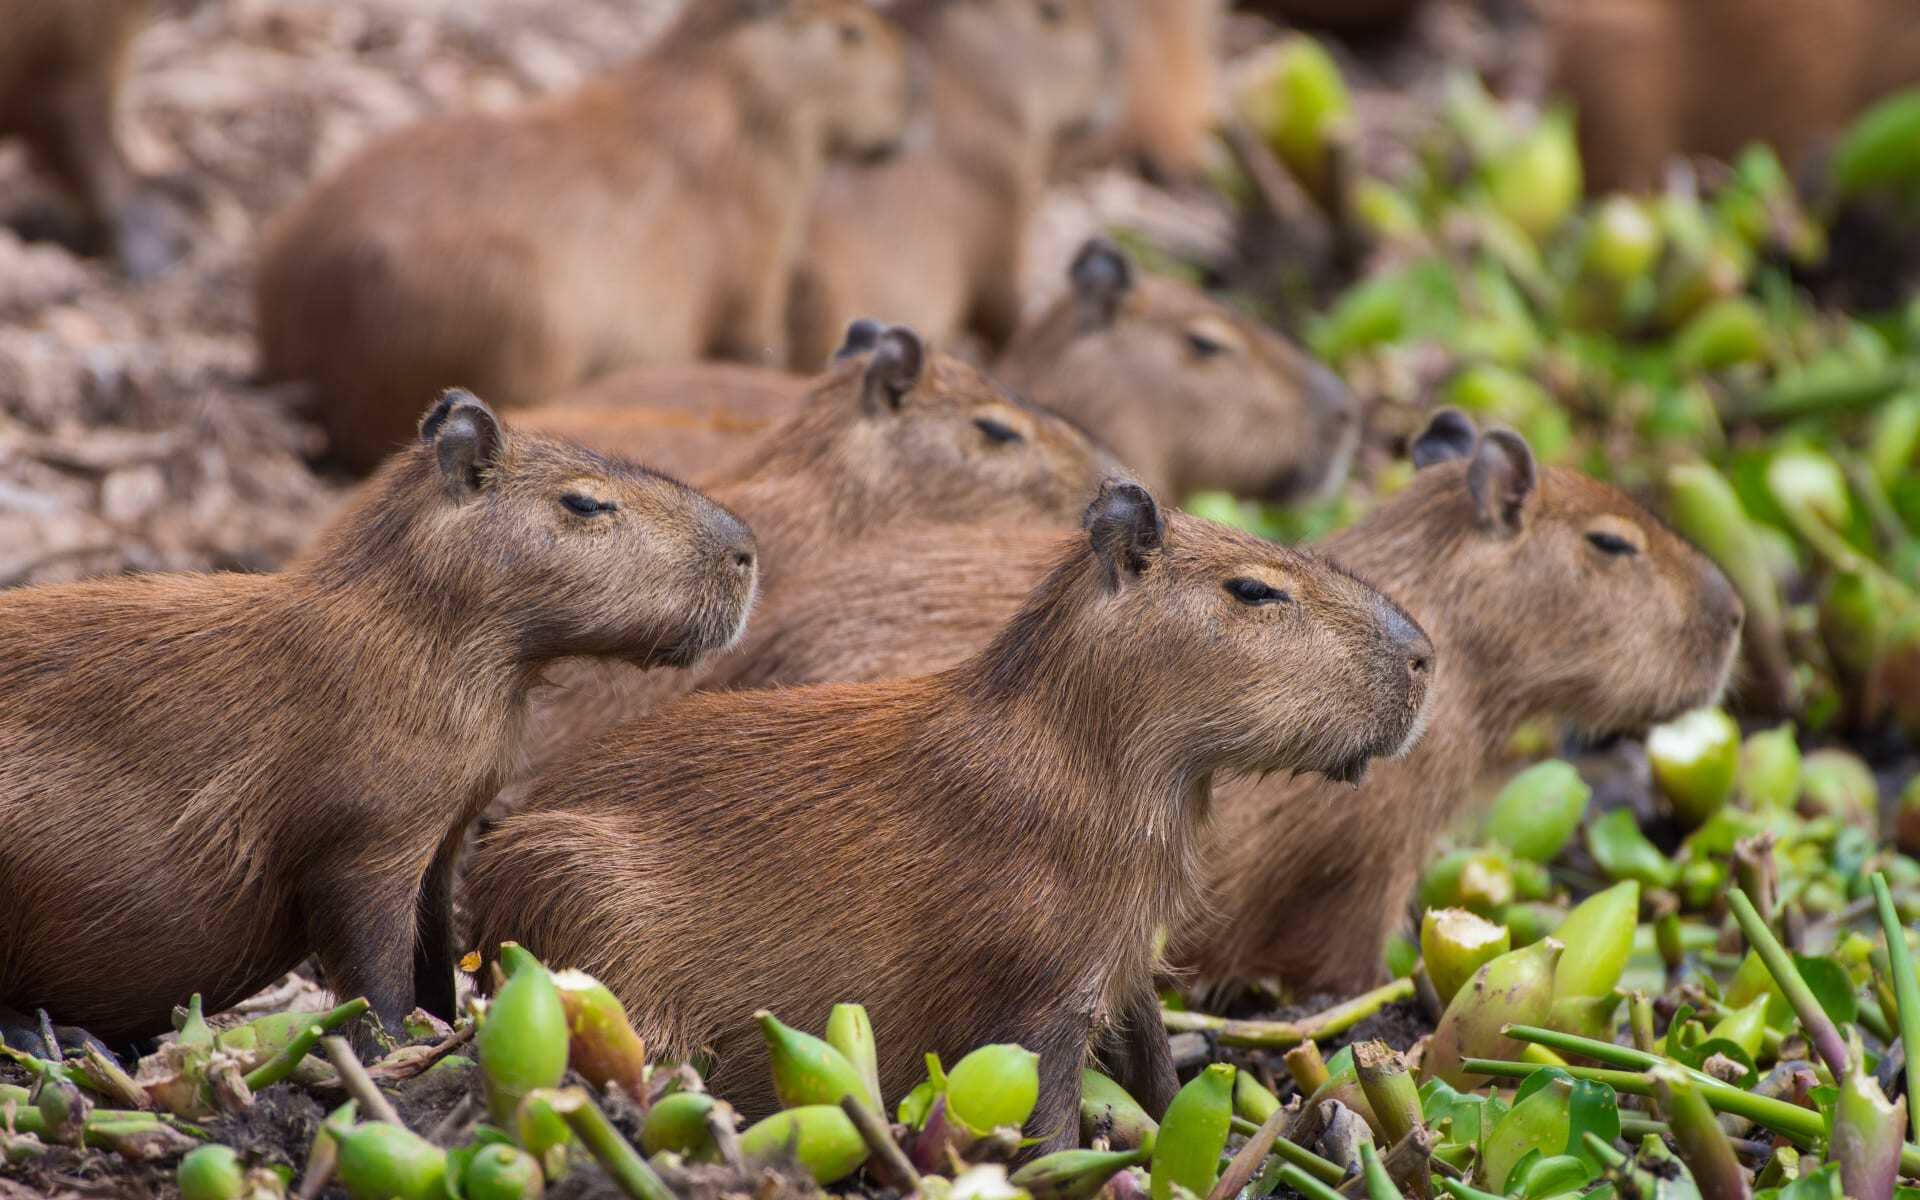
[356, 1081]
[1820, 1028]
[282, 1064]
[1281, 1035]
[880, 1143]
[615, 1154]
[1250, 1155]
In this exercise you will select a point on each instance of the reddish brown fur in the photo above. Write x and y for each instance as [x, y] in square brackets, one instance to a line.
[1656, 79]
[652, 216]
[61, 67]
[1189, 393]
[935, 238]
[203, 779]
[981, 855]
[846, 466]
[695, 420]
[1170, 55]
[1538, 622]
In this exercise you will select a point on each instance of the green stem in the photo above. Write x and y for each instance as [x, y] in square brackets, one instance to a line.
[1280, 1035]
[1820, 1028]
[301, 1044]
[1906, 991]
[1307, 1185]
[614, 1153]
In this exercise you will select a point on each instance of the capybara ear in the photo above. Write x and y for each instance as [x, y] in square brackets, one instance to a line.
[466, 438]
[1502, 480]
[1101, 276]
[1449, 435]
[1126, 529]
[862, 336]
[899, 357]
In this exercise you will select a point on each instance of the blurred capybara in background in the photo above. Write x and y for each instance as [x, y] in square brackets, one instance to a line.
[650, 217]
[936, 238]
[61, 66]
[1189, 394]
[983, 855]
[1170, 53]
[1652, 80]
[693, 421]
[206, 778]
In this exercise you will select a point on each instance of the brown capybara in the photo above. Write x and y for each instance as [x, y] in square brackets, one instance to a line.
[1188, 393]
[892, 433]
[651, 216]
[936, 237]
[1169, 51]
[1546, 593]
[692, 420]
[204, 779]
[980, 855]
[61, 67]
[1652, 80]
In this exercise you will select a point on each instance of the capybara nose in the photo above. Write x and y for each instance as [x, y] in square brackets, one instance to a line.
[1329, 393]
[1409, 641]
[1721, 602]
[734, 540]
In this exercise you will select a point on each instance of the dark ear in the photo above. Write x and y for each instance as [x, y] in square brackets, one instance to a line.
[1126, 529]
[1101, 275]
[1502, 480]
[898, 359]
[862, 336]
[1449, 435]
[466, 439]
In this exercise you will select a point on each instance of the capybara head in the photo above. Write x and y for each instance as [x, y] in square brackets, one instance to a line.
[893, 427]
[577, 554]
[1188, 392]
[844, 53]
[1049, 61]
[1589, 608]
[1285, 659]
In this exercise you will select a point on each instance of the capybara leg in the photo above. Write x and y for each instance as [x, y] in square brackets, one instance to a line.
[364, 942]
[433, 948]
[1141, 1059]
[759, 337]
[72, 133]
[1062, 1047]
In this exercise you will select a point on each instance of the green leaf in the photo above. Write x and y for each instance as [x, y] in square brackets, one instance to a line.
[1830, 986]
[1592, 1108]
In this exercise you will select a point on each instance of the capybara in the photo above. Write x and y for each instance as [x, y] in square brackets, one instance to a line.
[1188, 393]
[980, 855]
[1169, 51]
[652, 216]
[936, 237]
[892, 433]
[204, 779]
[1546, 593]
[61, 67]
[1652, 80]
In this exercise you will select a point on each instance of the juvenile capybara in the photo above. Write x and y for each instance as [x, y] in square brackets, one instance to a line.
[892, 433]
[980, 855]
[1188, 393]
[1169, 53]
[652, 216]
[936, 237]
[61, 67]
[204, 779]
[1546, 593]
[1652, 80]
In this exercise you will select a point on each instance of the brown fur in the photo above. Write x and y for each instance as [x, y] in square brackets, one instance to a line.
[851, 462]
[1169, 52]
[1189, 393]
[981, 855]
[695, 420]
[652, 216]
[935, 238]
[1528, 623]
[61, 68]
[203, 779]
[1656, 79]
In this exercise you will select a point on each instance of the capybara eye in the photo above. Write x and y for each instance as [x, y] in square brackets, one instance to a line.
[586, 506]
[1252, 591]
[997, 433]
[1612, 543]
[1050, 11]
[1204, 346]
[852, 35]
